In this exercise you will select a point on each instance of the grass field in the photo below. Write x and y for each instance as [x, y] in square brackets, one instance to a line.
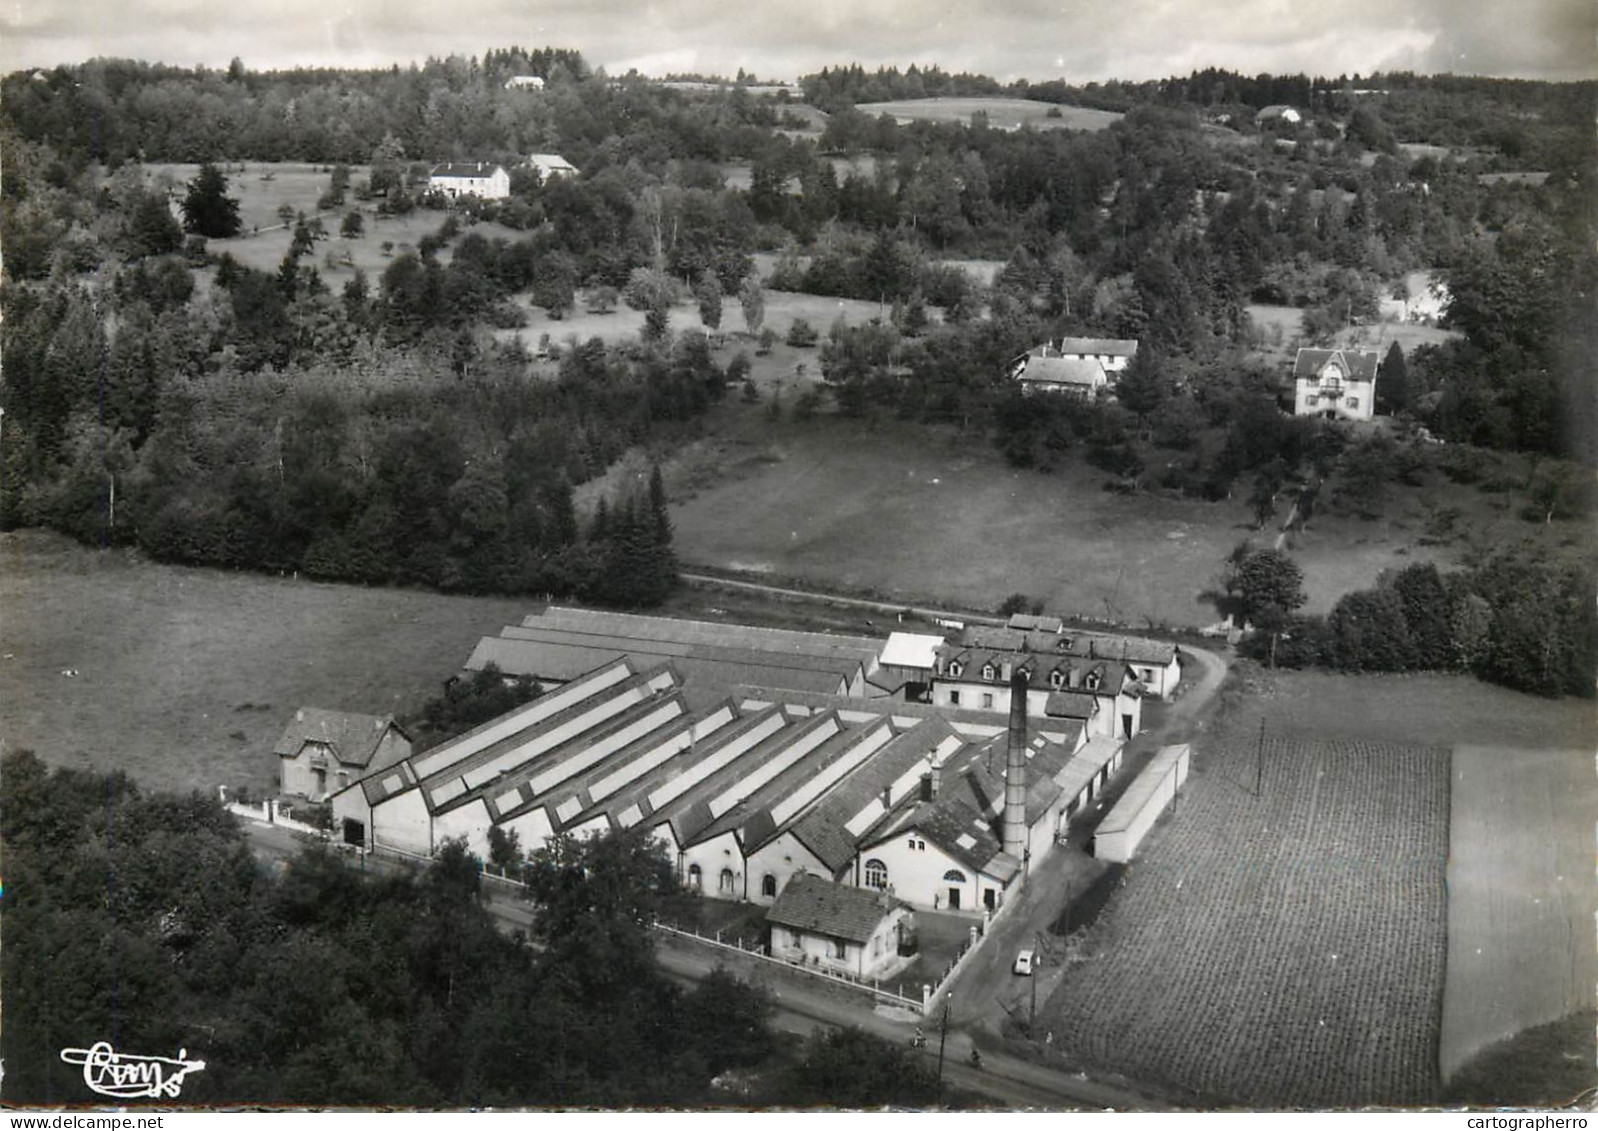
[185, 677]
[914, 512]
[1003, 113]
[1282, 326]
[1521, 900]
[1281, 950]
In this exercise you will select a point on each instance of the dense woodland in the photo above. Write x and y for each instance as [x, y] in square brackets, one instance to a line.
[162, 395]
[144, 920]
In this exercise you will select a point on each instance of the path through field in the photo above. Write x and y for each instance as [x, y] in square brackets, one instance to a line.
[1521, 899]
[1284, 950]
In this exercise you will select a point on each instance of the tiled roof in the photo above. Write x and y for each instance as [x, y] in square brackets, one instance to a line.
[476, 170]
[818, 906]
[1026, 622]
[1360, 365]
[353, 738]
[825, 829]
[1062, 371]
[1133, 649]
[1109, 347]
[1071, 705]
[704, 632]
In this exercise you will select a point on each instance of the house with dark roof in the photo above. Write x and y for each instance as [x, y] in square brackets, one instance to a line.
[1156, 663]
[816, 922]
[470, 178]
[1336, 384]
[321, 752]
[1081, 367]
[975, 672]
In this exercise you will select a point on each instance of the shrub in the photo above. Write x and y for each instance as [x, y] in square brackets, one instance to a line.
[802, 334]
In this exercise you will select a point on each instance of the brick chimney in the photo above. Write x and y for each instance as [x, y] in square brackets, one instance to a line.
[1014, 826]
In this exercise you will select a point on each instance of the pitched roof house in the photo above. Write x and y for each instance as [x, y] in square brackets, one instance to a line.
[551, 165]
[859, 932]
[320, 752]
[470, 178]
[1337, 384]
[1278, 113]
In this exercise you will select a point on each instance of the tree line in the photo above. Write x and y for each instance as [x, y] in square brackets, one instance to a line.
[143, 919]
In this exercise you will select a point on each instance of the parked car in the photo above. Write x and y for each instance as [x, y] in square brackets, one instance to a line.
[1025, 962]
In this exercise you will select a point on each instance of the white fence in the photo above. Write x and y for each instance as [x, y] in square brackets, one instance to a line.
[871, 986]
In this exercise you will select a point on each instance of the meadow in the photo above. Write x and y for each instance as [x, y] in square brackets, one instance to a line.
[1283, 948]
[1003, 113]
[1521, 900]
[915, 512]
[184, 678]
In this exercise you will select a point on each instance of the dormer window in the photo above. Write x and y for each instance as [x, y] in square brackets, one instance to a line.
[1025, 674]
[955, 669]
[1056, 678]
[988, 671]
[1093, 679]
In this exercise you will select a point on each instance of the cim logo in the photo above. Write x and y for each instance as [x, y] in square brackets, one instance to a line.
[126, 1077]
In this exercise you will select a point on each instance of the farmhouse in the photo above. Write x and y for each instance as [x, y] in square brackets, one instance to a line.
[1078, 366]
[560, 643]
[321, 752]
[978, 670]
[550, 165]
[490, 182]
[865, 933]
[1337, 384]
[524, 82]
[1151, 792]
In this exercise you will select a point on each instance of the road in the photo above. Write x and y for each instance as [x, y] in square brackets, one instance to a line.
[986, 993]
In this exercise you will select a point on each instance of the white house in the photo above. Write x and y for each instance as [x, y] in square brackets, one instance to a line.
[975, 674]
[524, 82]
[1112, 354]
[321, 752]
[1077, 366]
[467, 178]
[1278, 113]
[1337, 384]
[849, 930]
[551, 165]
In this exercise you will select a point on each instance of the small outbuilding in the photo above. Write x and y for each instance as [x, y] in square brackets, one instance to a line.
[1156, 787]
[844, 929]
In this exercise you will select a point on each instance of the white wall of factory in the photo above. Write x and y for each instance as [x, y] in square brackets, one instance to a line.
[1120, 716]
[917, 871]
[403, 822]
[776, 862]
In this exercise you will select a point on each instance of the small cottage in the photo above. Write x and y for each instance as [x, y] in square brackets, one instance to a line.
[320, 752]
[848, 930]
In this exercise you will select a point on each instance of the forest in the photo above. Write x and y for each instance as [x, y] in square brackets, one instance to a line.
[158, 393]
[144, 920]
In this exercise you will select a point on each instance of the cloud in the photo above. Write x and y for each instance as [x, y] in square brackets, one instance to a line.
[1079, 40]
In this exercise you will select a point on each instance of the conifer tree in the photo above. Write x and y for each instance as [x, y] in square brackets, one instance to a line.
[207, 209]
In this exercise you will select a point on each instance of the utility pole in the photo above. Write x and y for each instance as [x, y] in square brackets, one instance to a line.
[1259, 759]
[943, 1037]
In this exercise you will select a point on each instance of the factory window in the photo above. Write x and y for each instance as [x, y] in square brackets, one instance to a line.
[768, 886]
[727, 881]
[954, 876]
[987, 700]
[954, 698]
[876, 875]
[1353, 402]
[696, 878]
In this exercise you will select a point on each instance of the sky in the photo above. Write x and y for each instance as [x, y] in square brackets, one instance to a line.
[1075, 40]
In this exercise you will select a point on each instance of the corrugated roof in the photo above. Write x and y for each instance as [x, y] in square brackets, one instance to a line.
[1156, 776]
[820, 907]
[1073, 778]
[643, 627]
[353, 738]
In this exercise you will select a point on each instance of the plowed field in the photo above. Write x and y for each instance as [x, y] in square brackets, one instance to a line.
[1282, 950]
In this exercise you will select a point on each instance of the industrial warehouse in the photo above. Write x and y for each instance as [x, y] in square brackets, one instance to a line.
[824, 769]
